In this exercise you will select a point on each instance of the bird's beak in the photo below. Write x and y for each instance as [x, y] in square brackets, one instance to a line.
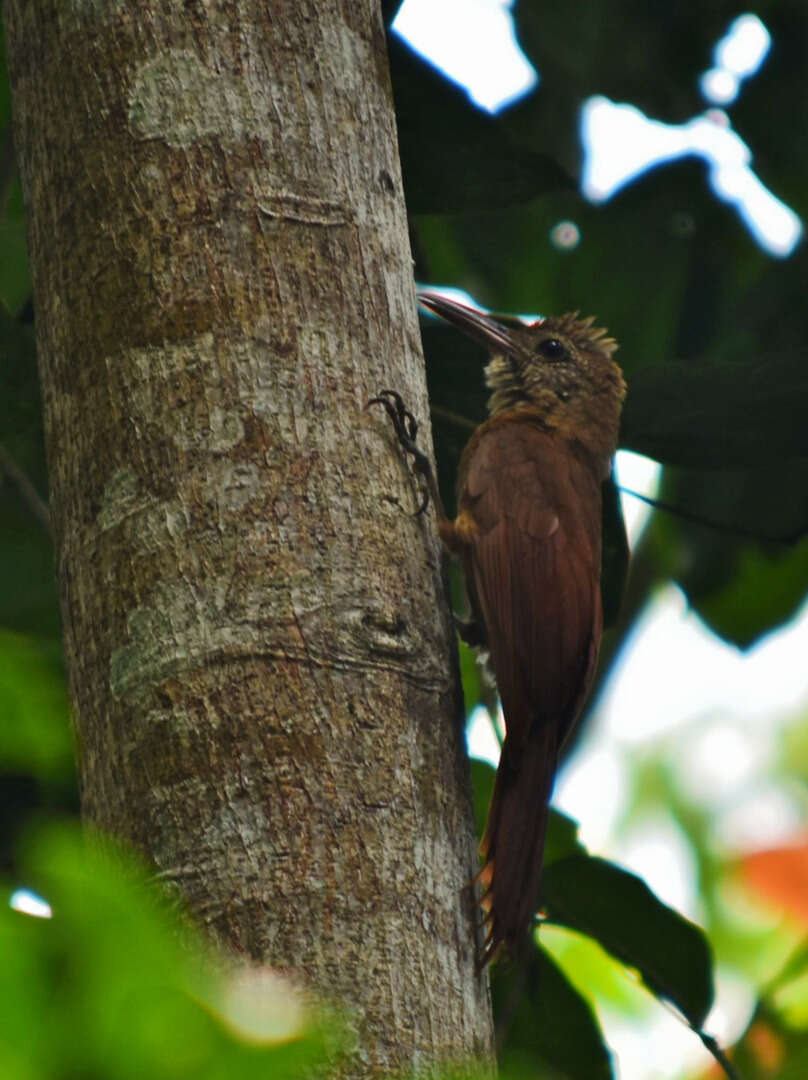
[491, 333]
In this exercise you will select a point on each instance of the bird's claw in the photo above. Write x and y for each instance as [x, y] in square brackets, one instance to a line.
[404, 423]
[406, 428]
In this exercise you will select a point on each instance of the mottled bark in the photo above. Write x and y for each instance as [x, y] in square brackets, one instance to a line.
[259, 651]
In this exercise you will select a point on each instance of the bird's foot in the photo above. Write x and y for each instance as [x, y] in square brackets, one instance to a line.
[406, 428]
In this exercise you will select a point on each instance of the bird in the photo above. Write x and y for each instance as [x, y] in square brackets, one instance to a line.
[528, 535]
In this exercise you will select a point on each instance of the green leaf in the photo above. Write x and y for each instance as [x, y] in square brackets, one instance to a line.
[475, 691]
[620, 912]
[15, 283]
[550, 1023]
[28, 595]
[764, 592]
[35, 732]
[114, 986]
[562, 838]
[482, 785]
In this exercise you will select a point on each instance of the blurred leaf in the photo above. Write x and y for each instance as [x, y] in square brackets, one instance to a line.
[457, 396]
[79, 1000]
[28, 596]
[37, 773]
[562, 838]
[482, 784]
[453, 156]
[741, 588]
[390, 10]
[619, 911]
[780, 876]
[742, 412]
[5, 92]
[598, 976]
[615, 558]
[711, 330]
[471, 677]
[14, 277]
[764, 592]
[20, 406]
[768, 1051]
[35, 733]
[662, 54]
[550, 1021]
[15, 284]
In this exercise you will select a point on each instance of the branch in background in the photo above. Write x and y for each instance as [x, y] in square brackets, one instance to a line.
[28, 493]
[452, 418]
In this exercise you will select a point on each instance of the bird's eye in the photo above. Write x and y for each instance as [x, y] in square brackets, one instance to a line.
[552, 349]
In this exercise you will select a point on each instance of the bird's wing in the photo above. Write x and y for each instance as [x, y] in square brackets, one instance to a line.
[534, 558]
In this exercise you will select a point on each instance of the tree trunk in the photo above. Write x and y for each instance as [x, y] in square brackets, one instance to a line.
[258, 646]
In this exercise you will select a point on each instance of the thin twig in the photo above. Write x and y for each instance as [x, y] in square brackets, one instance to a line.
[721, 526]
[718, 1054]
[28, 493]
[452, 417]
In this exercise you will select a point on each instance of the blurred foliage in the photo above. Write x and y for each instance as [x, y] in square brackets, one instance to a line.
[593, 896]
[552, 1029]
[116, 987]
[712, 333]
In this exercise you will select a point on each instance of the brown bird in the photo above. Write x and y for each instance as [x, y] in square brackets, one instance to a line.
[528, 533]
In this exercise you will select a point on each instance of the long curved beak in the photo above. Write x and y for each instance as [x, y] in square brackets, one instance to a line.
[483, 328]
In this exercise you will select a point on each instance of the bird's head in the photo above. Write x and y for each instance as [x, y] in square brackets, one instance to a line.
[561, 368]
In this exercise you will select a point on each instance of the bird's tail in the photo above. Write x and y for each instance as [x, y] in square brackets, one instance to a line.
[513, 845]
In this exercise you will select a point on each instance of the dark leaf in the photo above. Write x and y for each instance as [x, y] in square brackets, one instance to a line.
[737, 412]
[741, 587]
[28, 595]
[15, 283]
[619, 911]
[549, 1023]
[615, 557]
[455, 157]
[390, 10]
[28, 598]
[20, 409]
[562, 838]
[457, 397]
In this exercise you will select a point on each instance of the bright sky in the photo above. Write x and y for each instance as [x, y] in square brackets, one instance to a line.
[718, 709]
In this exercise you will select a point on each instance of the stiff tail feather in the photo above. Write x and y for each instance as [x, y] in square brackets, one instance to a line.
[513, 845]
